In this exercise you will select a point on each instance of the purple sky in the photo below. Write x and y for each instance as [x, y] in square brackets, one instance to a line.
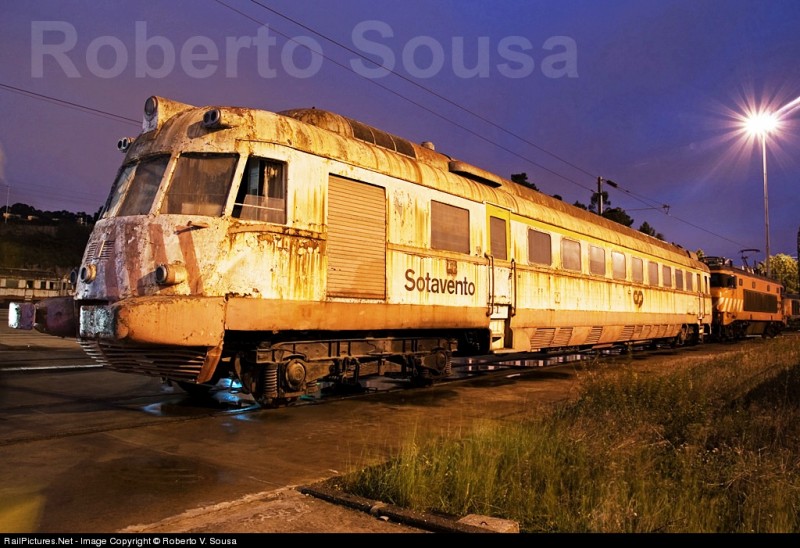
[640, 92]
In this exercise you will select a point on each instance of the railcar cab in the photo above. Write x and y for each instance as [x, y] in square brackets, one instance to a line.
[199, 186]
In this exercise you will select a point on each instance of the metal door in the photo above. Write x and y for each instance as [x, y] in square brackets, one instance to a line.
[501, 272]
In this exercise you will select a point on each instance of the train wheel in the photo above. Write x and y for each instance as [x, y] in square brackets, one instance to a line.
[681, 338]
[427, 369]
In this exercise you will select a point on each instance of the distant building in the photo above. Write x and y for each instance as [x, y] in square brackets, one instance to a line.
[18, 284]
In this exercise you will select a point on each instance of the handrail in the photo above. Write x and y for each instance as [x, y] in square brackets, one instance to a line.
[491, 283]
[514, 287]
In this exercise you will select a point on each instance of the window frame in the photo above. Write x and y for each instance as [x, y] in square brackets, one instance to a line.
[536, 247]
[262, 206]
[445, 234]
[568, 256]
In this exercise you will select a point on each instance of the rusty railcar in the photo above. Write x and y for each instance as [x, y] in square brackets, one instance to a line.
[745, 303]
[288, 249]
[21, 284]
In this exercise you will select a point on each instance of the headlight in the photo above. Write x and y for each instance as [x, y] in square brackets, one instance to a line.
[88, 273]
[170, 274]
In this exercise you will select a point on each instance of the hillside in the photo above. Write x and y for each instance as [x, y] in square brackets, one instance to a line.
[58, 247]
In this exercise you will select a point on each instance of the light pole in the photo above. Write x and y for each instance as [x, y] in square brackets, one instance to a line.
[766, 199]
[760, 125]
[8, 194]
[600, 182]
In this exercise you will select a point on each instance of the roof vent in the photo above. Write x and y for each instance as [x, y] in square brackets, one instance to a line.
[428, 144]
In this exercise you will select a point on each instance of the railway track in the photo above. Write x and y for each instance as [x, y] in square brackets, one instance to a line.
[167, 403]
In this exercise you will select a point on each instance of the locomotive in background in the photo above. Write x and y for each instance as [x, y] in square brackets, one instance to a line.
[745, 303]
[288, 249]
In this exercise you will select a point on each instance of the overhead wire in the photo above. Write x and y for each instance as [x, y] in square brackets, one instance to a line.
[408, 99]
[124, 119]
[642, 199]
[69, 104]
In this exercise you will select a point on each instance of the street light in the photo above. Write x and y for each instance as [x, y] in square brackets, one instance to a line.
[760, 125]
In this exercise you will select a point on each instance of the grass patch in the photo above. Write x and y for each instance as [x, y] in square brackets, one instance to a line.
[707, 446]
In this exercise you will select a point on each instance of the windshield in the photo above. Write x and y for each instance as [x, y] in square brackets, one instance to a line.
[200, 184]
[135, 187]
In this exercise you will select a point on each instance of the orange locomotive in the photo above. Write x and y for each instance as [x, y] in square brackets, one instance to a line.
[745, 302]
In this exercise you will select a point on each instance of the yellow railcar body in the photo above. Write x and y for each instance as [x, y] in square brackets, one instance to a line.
[362, 234]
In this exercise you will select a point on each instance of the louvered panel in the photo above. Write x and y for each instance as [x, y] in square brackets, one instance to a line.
[100, 250]
[627, 333]
[594, 335]
[562, 336]
[356, 240]
[177, 363]
[542, 337]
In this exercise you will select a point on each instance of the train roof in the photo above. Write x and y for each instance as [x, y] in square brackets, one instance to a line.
[720, 264]
[334, 136]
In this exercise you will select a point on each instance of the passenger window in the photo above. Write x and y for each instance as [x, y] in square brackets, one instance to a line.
[539, 248]
[652, 274]
[637, 270]
[666, 276]
[689, 282]
[618, 265]
[449, 227]
[678, 279]
[597, 260]
[571, 255]
[262, 192]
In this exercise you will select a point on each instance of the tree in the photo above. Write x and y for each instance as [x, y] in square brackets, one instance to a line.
[784, 269]
[522, 179]
[618, 215]
[650, 231]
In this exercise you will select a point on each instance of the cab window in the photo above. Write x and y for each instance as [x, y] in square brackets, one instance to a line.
[200, 184]
[262, 192]
[135, 187]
